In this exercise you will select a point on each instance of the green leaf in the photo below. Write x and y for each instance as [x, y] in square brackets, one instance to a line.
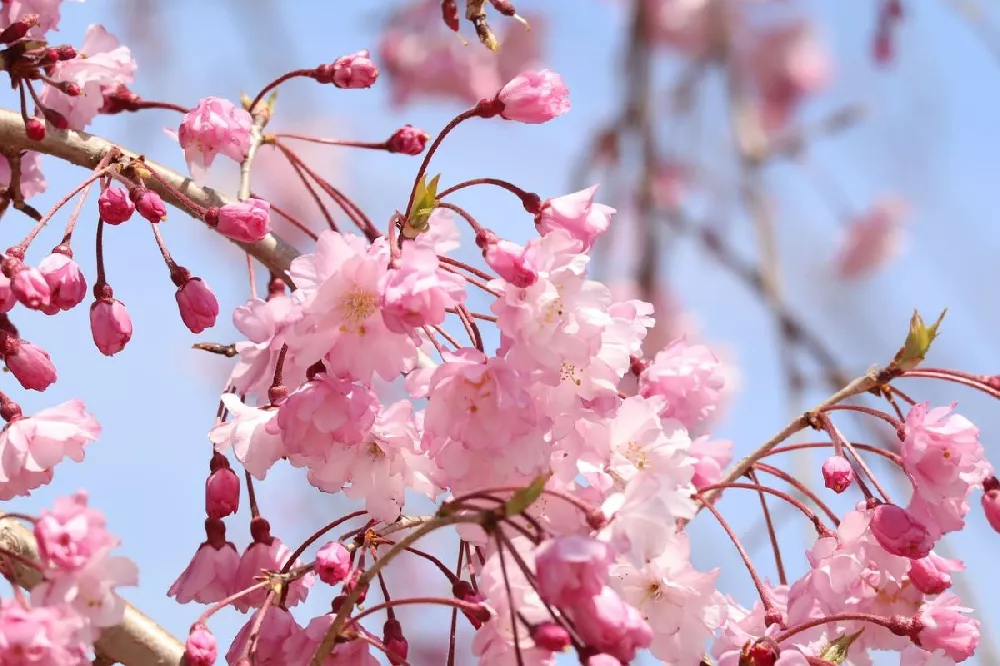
[918, 341]
[525, 497]
[424, 203]
[836, 651]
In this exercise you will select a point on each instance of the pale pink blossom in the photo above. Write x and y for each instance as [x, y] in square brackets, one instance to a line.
[570, 569]
[323, 411]
[872, 239]
[900, 533]
[67, 284]
[838, 475]
[278, 629]
[43, 635]
[534, 97]
[946, 626]
[932, 574]
[110, 325]
[607, 623]
[509, 260]
[210, 576]
[302, 645]
[577, 214]
[788, 62]
[71, 534]
[215, 126]
[100, 66]
[642, 517]
[690, 378]
[944, 460]
[31, 446]
[688, 26]
[48, 12]
[266, 325]
[710, 459]
[30, 364]
[251, 433]
[198, 305]
[32, 179]
[417, 291]
[91, 590]
[266, 553]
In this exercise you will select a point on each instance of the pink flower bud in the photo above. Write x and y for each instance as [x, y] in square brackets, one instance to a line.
[577, 214]
[463, 591]
[197, 304]
[222, 491]
[534, 97]
[200, 648]
[507, 259]
[35, 129]
[150, 205]
[29, 287]
[29, 364]
[571, 569]
[110, 325]
[991, 507]
[396, 644]
[354, 71]
[838, 475]
[407, 140]
[899, 533]
[18, 29]
[115, 206]
[7, 298]
[247, 221]
[932, 574]
[67, 285]
[551, 636]
[945, 625]
[333, 563]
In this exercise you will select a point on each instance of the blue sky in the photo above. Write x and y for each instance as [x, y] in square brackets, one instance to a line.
[931, 136]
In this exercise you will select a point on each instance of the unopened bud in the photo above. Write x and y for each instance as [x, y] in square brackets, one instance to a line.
[18, 29]
[35, 129]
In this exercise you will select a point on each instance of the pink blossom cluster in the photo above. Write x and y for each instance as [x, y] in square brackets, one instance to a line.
[77, 595]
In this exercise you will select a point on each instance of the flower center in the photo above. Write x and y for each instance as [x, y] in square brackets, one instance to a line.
[635, 455]
[356, 306]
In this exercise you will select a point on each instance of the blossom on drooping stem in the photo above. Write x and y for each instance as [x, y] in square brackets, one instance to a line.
[333, 563]
[197, 303]
[265, 553]
[508, 259]
[115, 206]
[222, 488]
[148, 204]
[838, 474]
[690, 379]
[416, 292]
[211, 574]
[407, 140]
[944, 625]
[200, 648]
[530, 97]
[30, 364]
[570, 569]
[576, 213]
[215, 126]
[67, 284]
[900, 533]
[110, 323]
[26, 282]
[355, 70]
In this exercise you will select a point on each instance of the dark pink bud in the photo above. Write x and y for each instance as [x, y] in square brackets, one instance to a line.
[247, 221]
[65, 52]
[35, 129]
[352, 582]
[408, 140]
[551, 636]
[838, 474]
[28, 285]
[197, 304]
[200, 648]
[149, 205]
[110, 325]
[67, 285]
[463, 591]
[333, 563]
[29, 364]
[115, 206]
[222, 492]
[354, 71]
[763, 652]
[18, 29]
[395, 643]
[56, 119]
[991, 507]
[899, 533]
[7, 298]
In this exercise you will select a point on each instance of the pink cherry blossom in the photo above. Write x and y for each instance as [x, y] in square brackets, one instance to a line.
[534, 97]
[945, 626]
[115, 206]
[266, 325]
[110, 324]
[91, 590]
[944, 460]
[932, 574]
[49, 635]
[324, 410]
[577, 214]
[265, 553]
[416, 292]
[254, 439]
[246, 221]
[278, 629]
[32, 179]
[509, 260]
[29, 364]
[71, 534]
[211, 575]
[838, 475]
[900, 533]
[31, 446]
[572, 568]
[711, 458]
[200, 648]
[149, 205]
[872, 239]
[67, 284]
[101, 66]
[691, 27]
[355, 71]
[198, 305]
[47, 12]
[607, 624]
[690, 378]
[215, 126]
[302, 645]
[333, 563]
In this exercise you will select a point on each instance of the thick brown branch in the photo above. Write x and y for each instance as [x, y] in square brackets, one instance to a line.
[85, 150]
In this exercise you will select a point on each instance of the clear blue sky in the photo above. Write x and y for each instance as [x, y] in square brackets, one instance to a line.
[932, 136]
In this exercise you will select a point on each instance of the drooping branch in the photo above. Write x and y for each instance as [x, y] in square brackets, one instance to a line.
[137, 641]
[86, 150]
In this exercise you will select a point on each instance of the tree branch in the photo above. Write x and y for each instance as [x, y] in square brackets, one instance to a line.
[137, 641]
[85, 150]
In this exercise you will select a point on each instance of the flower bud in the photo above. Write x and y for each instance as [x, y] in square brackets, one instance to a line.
[838, 475]
[407, 140]
[507, 259]
[354, 71]
[222, 489]
[395, 643]
[463, 591]
[149, 205]
[533, 97]
[198, 305]
[18, 29]
[67, 285]
[247, 221]
[899, 533]
[110, 325]
[333, 563]
[932, 574]
[551, 636]
[200, 647]
[55, 118]
[29, 364]
[991, 507]
[114, 206]
[35, 129]
[7, 298]
[28, 285]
